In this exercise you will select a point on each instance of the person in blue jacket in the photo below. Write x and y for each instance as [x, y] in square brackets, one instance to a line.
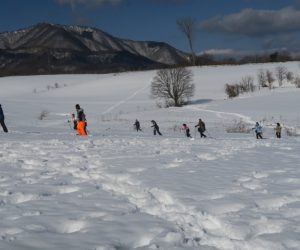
[258, 130]
[2, 120]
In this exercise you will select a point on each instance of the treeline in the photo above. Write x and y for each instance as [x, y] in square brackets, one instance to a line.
[208, 59]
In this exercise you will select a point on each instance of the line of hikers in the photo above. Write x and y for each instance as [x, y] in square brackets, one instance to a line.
[201, 129]
[80, 125]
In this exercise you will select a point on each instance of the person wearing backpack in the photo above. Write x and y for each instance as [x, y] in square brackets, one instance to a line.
[201, 128]
[2, 120]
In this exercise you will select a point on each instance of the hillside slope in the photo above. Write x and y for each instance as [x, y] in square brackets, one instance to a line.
[122, 189]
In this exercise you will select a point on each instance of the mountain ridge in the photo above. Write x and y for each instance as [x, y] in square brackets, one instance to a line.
[94, 49]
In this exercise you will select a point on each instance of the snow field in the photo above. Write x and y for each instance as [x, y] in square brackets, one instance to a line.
[186, 202]
[118, 189]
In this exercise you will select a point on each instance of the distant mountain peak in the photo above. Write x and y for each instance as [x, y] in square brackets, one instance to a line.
[80, 47]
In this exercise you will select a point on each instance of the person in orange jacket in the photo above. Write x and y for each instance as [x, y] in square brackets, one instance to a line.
[81, 121]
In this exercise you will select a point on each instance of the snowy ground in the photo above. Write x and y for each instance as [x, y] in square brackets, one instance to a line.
[120, 190]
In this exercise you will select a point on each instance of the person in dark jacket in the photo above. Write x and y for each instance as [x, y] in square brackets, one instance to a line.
[187, 130]
[155, 128]
[81, 121]
[80, 113]
[2, 120]
[137, 125]
[201, 128]
[278, 129]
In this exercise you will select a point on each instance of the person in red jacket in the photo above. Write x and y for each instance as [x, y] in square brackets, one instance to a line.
[187, 130]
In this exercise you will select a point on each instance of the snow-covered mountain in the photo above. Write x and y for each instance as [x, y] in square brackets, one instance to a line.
[58, 48]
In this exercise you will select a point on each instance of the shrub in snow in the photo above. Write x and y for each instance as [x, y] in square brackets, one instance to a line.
[238, 127]
[247, 84]
[289, 76]
[297, 81]
[44, 113]
[232, 90]
[292, 131]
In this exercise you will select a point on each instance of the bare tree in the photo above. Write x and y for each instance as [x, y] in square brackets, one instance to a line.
[289, 76]
[262, 80]
[270, 79]
[280, 73]
[188, 27]
[173, 85]
[297, 81]
[247, 84]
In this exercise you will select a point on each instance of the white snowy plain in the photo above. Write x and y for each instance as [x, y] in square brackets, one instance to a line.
[118, 189]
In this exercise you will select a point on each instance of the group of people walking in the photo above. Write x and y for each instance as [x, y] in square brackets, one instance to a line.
[200, 125]
[258, 130]
[80, 125]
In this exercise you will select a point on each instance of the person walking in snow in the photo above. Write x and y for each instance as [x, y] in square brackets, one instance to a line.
[2, 120]
[258, 130]
[278, 129]
[187, 130]
[137, 125]
[201, 128]
[155, 128]
[81, 121]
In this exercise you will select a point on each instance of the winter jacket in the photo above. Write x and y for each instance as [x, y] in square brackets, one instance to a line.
[258, 129]
[81, 115]
[155, 126]
[278, 129]
[137, 124]
[201, 126]
[1, 114]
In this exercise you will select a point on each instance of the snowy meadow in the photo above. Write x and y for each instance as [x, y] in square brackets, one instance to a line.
[119, 189]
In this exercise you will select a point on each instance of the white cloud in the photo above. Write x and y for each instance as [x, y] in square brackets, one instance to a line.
[250, 22]
[73, 3]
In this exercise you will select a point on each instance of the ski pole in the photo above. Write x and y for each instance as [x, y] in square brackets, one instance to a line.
[69, 122]
[210, 135]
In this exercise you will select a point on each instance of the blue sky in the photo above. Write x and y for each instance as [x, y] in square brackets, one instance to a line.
[221, 24]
